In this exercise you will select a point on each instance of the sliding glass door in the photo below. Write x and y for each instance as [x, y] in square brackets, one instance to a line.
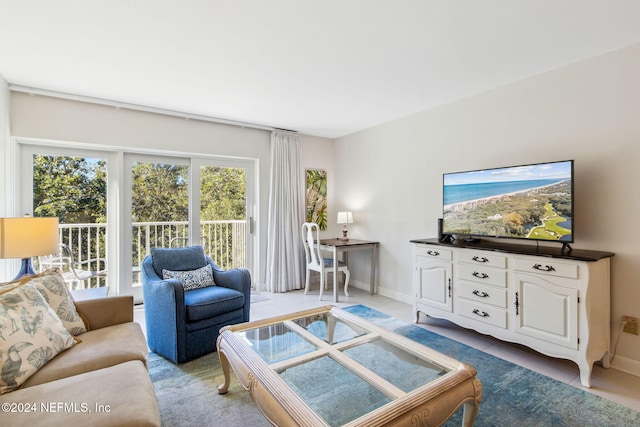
[71, 185]
[224, 212]
[156, 210]
[175, 202]
[118, 205]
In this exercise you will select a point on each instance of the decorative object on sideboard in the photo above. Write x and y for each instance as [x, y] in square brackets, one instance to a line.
[443, 237]
[27, 237]
[345, 218]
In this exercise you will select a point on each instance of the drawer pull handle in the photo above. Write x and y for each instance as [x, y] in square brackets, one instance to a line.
[433, 253]
[480, 275]
[480, 259]
[479, 313]
[539, 267]
[480, 294]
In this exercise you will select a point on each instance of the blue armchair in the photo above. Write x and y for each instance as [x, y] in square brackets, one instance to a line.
[184, 325]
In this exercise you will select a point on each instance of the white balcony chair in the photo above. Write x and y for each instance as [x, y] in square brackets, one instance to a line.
[316, 262]
[181, 242]
[73, 271]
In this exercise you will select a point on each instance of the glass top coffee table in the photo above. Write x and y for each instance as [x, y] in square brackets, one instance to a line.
[327, 367]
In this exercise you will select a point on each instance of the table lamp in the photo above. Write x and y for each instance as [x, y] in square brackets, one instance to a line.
[345, 218]
[28, 237]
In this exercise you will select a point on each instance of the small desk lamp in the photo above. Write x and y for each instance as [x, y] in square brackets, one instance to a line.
[345, 218]
[28, 237]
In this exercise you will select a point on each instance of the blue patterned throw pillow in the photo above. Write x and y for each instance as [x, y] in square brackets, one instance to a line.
[192, 279]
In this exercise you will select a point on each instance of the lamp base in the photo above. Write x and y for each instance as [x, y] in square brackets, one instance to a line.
[26, 269]
[344, 233]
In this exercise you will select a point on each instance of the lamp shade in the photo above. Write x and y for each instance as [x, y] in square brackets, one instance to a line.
[28, 237]
[345, 218]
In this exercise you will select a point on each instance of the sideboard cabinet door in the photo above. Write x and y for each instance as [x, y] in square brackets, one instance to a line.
[432, 282]
[545, 310]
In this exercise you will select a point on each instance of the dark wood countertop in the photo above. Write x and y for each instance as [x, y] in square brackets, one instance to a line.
[522, 249]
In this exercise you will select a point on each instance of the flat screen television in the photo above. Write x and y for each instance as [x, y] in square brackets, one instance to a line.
[533, 202]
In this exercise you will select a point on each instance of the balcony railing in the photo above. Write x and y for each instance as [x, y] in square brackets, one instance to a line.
[223, 241]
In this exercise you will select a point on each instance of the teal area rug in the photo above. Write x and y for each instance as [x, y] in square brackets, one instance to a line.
[188, 396]
[512, 395]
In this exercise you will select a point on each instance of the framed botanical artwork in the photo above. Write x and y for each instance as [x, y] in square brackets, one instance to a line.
[316, 203]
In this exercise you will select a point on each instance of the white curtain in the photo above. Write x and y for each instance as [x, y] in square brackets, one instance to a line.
[285, 253]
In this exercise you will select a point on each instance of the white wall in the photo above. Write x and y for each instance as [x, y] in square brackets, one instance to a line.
[4, 137]
[391, 175]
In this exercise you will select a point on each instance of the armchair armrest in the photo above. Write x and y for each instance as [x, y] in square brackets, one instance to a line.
[165, 313]
[102, 312]
[238, 279]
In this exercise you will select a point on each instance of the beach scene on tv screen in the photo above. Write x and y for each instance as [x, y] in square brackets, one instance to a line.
[524, 202]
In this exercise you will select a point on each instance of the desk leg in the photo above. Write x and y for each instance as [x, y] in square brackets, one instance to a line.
[374, 262]
[345, 259]
[335, 274]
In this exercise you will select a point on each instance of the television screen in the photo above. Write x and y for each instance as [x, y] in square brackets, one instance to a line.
[519, 202]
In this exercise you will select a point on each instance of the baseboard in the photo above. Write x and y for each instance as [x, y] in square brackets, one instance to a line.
[626, 365]
[398, 296]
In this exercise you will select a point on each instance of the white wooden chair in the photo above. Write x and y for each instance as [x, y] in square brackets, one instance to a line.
[316, 262]
[73, 272]
[181, 242]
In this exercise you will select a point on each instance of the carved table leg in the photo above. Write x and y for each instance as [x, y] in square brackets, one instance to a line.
[471, 407]
[469, 414]
[224, 363]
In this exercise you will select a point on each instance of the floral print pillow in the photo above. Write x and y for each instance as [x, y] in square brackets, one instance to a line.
[54, 290]
[192, 279]
[31, 334]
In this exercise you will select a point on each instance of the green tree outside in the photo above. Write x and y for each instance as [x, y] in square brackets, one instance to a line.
[74, 189]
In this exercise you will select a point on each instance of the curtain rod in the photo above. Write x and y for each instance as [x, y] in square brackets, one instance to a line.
[295, 132]
[116, 104]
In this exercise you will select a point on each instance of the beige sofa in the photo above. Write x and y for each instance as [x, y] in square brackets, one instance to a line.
[100, 381]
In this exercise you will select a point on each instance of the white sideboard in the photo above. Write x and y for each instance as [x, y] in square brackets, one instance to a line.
[556, 302]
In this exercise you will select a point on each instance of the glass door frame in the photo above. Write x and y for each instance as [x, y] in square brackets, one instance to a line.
[119, 278]
[25, 153]
[249, 167]
[129, 159]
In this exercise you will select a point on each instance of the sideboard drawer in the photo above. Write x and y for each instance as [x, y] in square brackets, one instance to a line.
[484, 258]
[486, 275]
[434, 252]
[484, 294]
[483, 313]
[549, 267]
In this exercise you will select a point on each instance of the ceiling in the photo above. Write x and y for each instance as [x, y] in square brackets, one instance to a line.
[326, 68]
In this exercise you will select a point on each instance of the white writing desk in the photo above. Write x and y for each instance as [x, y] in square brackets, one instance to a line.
[337, 246]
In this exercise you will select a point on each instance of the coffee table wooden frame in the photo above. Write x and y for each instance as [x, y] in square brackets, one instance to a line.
[430, 405]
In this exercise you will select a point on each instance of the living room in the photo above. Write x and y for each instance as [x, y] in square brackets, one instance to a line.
[389, 174]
